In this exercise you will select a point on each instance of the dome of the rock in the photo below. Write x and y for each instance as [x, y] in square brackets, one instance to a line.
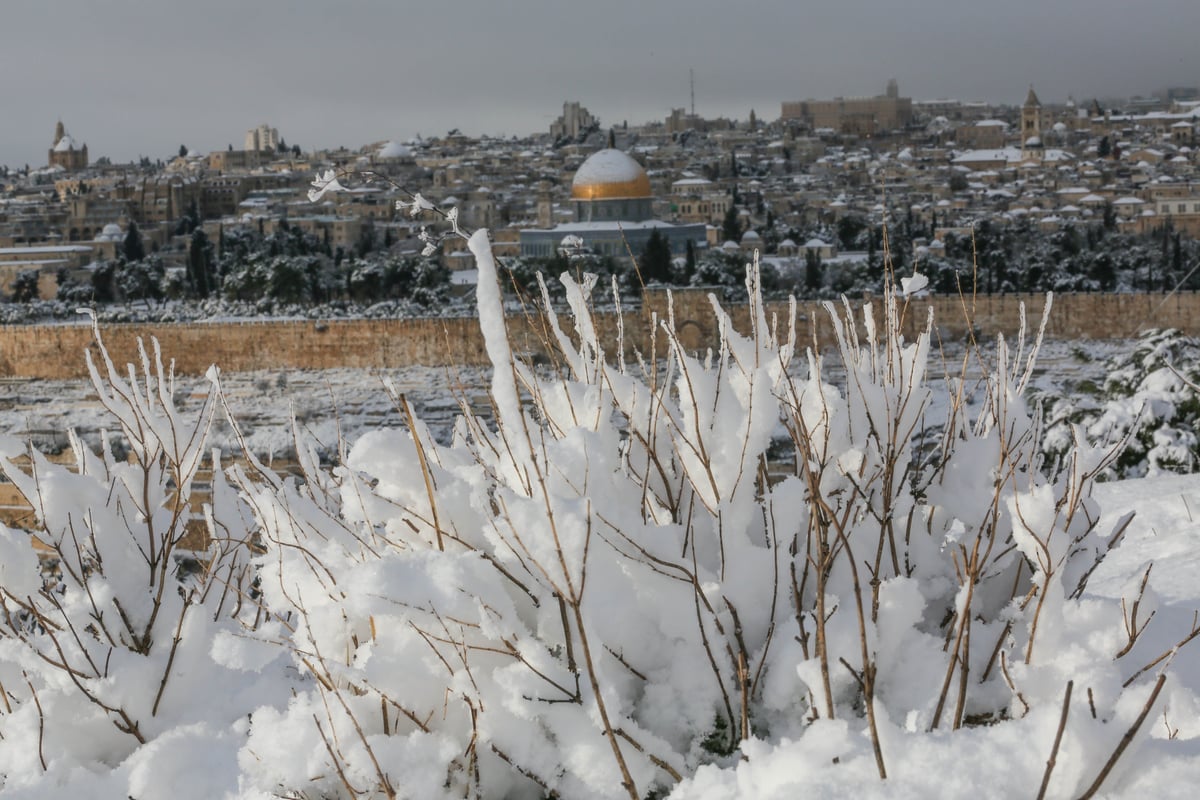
[610, 175]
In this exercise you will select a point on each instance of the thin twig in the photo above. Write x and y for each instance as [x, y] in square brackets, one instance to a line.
[1125, 740]
[1062, 724]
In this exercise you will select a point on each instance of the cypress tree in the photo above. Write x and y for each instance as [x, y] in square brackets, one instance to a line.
[731, 228]
[689, 263]
[133, 248]
[655, 262]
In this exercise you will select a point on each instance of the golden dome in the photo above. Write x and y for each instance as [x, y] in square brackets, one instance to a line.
[610, 175]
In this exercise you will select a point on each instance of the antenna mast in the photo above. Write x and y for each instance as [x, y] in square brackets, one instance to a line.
[692, 85]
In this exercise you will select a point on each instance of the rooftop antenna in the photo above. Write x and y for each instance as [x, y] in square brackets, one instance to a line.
[692, 85]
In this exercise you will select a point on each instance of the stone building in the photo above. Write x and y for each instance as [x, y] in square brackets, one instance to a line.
[699, 200]
[613, 205]
[63, 153]
[224, 161]
[88, 214]
[987, 134]
[575, 119]
[1177, 204]
[262, 137]
[860, 116]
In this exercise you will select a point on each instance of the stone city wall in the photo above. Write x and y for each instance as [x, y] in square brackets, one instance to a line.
[56, 351]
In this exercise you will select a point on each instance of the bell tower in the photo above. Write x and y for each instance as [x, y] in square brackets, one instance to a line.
[1031, 126]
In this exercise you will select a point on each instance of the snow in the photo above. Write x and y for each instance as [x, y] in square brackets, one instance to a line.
[914, 284]
[464, 277]
[394, 150]
[1006, 154]
[1163, 531]
[604, 583]
[51, 250]
[583, 227]
[111, 233]
[608, 166]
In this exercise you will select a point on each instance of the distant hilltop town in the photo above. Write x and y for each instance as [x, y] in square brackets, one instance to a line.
[693, 182]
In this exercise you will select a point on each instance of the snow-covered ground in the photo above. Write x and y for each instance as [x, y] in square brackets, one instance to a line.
[329, 403]
[350, 402]
[1165, 530]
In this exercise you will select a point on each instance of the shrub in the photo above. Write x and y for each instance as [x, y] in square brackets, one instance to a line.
[119, 646]
[604, 592]
[1149, 405]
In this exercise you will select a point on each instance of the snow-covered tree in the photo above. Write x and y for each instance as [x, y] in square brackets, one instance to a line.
[1149, 403]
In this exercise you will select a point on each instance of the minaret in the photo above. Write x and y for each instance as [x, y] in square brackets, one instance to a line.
[545, 206]
[1031, 126]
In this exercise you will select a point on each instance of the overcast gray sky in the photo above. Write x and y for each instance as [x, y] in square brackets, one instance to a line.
[141, 77]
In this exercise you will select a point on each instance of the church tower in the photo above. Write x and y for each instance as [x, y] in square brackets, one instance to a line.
[63, 153]
[1031, 127]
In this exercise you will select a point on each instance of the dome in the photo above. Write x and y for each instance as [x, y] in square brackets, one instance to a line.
[610, 175]
[394, 150]
[111, 233]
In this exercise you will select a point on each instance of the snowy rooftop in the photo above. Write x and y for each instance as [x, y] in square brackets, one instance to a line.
[394, 150]
[1003, 154]
[45, 250]
[596, 227]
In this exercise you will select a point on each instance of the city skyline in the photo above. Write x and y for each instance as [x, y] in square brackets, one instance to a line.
[140, 78]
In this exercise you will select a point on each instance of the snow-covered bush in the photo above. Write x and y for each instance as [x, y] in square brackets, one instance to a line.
[117, 647]
[1148, 403]
[607, 590]
[611, 594]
